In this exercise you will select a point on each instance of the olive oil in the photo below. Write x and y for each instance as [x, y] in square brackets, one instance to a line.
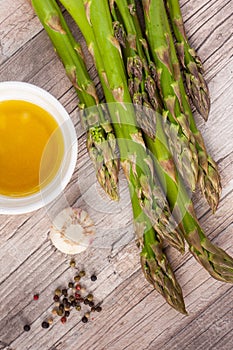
[31, 148]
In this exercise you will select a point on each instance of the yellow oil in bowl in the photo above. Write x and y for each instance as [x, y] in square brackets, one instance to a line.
[31, 148]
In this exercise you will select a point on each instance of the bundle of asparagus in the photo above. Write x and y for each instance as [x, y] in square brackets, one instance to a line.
[147, 73]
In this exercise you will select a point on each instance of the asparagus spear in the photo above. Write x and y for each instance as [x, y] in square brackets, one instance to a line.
[101, 143]
[94, 20]
[154, 262]
[208, 176]
[181, 140]
[215, 260]
[193, 69]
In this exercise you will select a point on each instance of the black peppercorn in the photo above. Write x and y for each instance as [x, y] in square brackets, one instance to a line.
[98, 308]
[84, 319]
[45, 324]
[64, 292]
[61, 307]
[91, 303]
[86, 301]
[73, 303]
[65, 301]
[71, 285]
[93, 278]
[56, 298]
[67, 313]
[27, 328]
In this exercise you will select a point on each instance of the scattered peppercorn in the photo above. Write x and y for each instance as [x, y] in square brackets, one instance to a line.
[45, 324]
[86, 301]
[92, 308]
[78, 307]
[67, 307]
[57, 304]
[54, 311]
[71, 298]
[73, 303]
[58, 292]
[65, 301]
[60, 312]
[56, 298]
[72, 263]
[61, 307]
[77, 278]
[91, 304]
[93, 278]
[36, 296]
[27, 328]
[64, 292]
[71, 285]
[78, 287]
[77, 295]
[63, 319]
[84, 319]
[50, 321]
[90, 297]
[81, 300]
[67, 313]
[98, 308]
[87, 314]
[83, 290]
[82, 273]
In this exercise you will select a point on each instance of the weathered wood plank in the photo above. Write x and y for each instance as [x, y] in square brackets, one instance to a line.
[133, 314]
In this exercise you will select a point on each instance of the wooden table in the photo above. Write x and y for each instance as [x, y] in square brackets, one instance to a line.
[134, 316]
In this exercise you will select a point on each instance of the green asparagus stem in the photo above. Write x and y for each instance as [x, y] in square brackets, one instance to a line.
[208, 176]
[101, 143]
[216, 261]
[94, 20]
[181, 140]
[154, 262]
[193, 69]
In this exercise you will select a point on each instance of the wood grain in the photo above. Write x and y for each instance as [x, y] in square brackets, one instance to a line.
[133, 316]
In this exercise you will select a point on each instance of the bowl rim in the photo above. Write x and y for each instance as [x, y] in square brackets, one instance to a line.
[43, 197]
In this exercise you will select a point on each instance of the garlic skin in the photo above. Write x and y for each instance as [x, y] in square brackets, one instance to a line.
[72, 231]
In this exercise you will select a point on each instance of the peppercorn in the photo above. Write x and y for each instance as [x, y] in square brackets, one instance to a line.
[78, 287]
[57, 304]
[93, 308]
[84, 319]
[67, 313]
[83, 290]
[91, 304]
[27, 328]
[90, 297]
[56, 298]
[36, 296]
[93, 278]
[86, 301]
[71, 298]
[65, 301]
[61, 307]
[45, 324]
[77, 295]
[71, 285]
[78, 307]
[63, 319]
[77, 278]
[58, 292]
[60, 312]
[64, 292]
[67, 307]
[54, 311]
[73, 303]
[98, 308]
[82, 273]
[72, 263]
[50, 321]
[87, 314]
[81, 300]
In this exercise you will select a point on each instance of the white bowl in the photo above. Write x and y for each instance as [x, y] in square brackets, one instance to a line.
[31, 93]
